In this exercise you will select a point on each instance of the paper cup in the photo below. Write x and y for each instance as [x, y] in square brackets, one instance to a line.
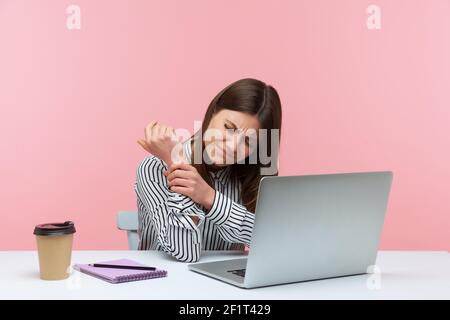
[54, 244]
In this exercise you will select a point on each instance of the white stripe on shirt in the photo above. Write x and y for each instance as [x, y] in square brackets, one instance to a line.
[164, 215]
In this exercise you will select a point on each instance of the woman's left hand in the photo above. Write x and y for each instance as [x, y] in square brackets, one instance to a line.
[185, 179]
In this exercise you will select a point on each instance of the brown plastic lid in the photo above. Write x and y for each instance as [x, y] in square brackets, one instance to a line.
[55, 229]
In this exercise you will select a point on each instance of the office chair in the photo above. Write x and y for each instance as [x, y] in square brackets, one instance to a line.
[128, 221]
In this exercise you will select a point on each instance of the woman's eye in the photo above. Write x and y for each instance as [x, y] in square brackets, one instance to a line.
[227, 126]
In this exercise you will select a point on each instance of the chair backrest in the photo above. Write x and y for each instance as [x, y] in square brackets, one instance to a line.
[128, 221]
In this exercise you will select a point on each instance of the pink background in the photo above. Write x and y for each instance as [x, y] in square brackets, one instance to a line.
[73, 103]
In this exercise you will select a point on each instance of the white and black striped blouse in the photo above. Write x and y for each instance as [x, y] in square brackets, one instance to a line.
[164, 222]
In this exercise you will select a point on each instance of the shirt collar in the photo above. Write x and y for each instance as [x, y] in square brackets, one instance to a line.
[223, 175]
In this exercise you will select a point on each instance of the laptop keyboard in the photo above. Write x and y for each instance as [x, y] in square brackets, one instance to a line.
[239, 272]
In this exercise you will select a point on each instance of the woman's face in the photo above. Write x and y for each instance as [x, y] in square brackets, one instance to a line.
[231, 136]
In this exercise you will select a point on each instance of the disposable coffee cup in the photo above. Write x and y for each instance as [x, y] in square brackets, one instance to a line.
[54, 244]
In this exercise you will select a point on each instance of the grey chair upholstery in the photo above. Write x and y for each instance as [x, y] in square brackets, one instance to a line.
[128, 221]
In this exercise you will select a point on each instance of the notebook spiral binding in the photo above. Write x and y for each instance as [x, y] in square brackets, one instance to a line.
[144, 276]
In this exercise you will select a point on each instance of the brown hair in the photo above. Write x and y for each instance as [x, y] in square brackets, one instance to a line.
[254, 97]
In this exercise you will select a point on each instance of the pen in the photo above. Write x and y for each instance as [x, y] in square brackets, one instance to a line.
[114, 266]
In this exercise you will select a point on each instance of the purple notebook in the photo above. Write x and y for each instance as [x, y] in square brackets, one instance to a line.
[120, 275]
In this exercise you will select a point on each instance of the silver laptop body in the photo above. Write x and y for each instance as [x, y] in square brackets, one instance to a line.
[310, 227]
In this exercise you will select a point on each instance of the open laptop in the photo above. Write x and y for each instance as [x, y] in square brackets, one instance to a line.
[310, 227]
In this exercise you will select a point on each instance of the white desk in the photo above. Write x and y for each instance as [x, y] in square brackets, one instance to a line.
[413, 274]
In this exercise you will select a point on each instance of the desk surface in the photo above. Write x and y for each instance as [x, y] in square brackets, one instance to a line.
[403, 274]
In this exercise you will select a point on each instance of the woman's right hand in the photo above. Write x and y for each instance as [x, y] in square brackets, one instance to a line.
[160, 141]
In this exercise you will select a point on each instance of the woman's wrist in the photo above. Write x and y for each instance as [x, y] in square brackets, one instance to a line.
[209, 199]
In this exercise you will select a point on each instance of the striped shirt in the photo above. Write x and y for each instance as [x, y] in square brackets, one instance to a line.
[164, 215]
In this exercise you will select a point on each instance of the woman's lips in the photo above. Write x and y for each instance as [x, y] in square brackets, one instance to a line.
[220, 154]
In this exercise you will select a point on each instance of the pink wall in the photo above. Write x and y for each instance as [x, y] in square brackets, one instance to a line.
[73, 103]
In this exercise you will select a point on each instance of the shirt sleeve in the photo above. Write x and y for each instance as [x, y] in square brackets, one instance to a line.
[233, 221]
[170, 212]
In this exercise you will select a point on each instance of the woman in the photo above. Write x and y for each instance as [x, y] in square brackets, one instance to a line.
[185, 205]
